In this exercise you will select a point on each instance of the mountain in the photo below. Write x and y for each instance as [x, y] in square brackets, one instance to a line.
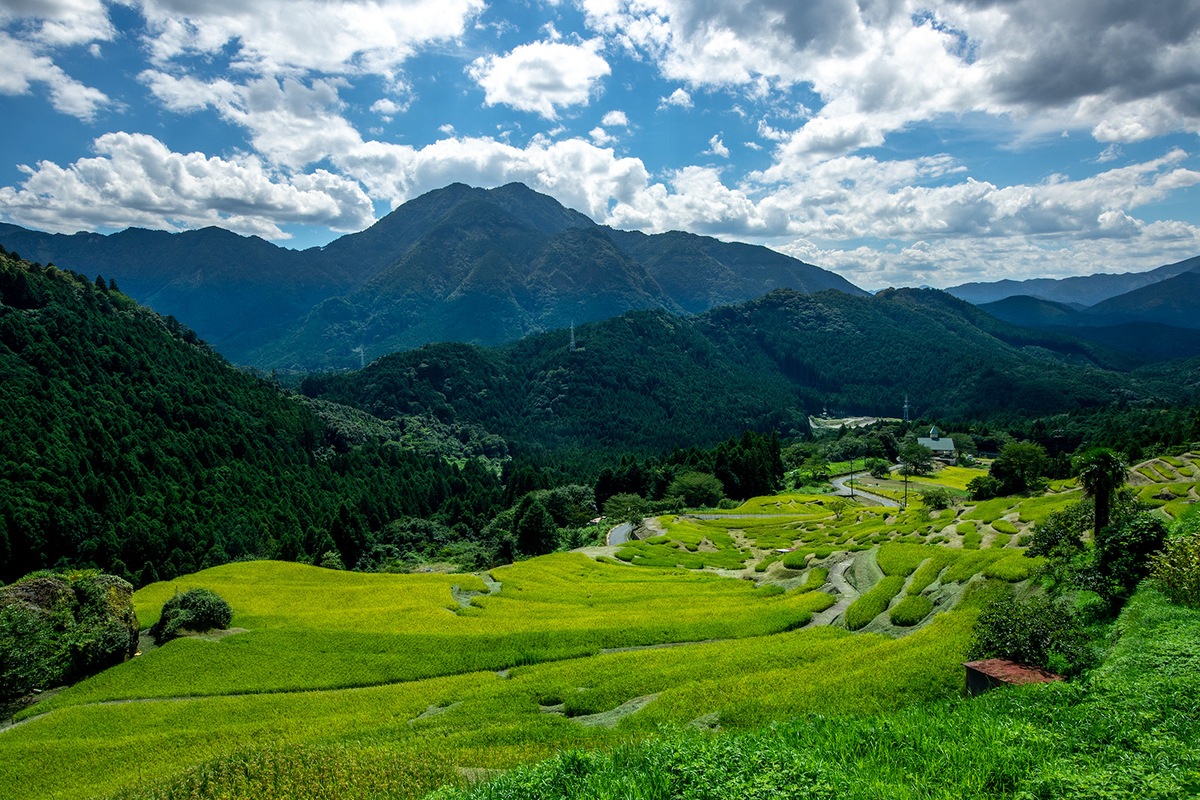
[1174, 301]
[126, 442]
[455, 264]
[1133, 322]
[699, 272]
[1087, 290]
[649, 380]
[1032, 312]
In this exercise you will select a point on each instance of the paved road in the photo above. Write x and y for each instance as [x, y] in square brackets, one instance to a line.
[844, 491]
[620, 534]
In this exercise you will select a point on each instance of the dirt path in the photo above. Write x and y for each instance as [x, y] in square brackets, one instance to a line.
[847, 594]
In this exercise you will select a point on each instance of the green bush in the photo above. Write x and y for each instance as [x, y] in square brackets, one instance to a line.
[873, 603]
[59, 627]
[911, 610]
[937, 498]
[697, 489]
[1037, 632]
[1176, 569]
[196, 610]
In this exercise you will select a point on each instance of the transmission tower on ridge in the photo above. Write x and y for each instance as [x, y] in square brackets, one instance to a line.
[572, 336]
[362, 358]
[906, 408]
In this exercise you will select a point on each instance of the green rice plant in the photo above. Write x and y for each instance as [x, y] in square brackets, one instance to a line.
[1004, 526]
[817, 576]
[1148, 474]
[870, 605]
[797, 559]
[910, 610]
[969, 564]
[1001, 540]
[972, 541]
[928, 572]
[950, 477]
[1165, 473]
[1014, 568]
[761, 566]
[991, 510]
[902, 559]
[963, 528]
[1174, 462]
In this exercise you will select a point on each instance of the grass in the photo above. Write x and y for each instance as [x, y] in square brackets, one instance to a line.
[1129, 734]
[487, 720]
[364, 629]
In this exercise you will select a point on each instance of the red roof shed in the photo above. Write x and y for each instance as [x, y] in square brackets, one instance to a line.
[992, 672]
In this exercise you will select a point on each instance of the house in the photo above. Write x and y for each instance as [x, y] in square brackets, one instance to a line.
[942, 447]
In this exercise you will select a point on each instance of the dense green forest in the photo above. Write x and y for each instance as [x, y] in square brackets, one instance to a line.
[128, 444]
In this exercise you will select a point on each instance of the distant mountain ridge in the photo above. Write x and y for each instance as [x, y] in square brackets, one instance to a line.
[455, 264]
[1087, 290]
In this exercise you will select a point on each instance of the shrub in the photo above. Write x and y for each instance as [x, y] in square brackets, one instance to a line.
[937, 498]
[1037, 632]
[1123, 552]
[1176, 569]
[195, 610]
[984, 487]
[911, 610]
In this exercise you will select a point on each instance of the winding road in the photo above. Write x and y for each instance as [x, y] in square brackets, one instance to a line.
[844, 491]
[620, 534]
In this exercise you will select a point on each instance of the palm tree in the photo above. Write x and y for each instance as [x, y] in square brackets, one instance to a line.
[1101, 473]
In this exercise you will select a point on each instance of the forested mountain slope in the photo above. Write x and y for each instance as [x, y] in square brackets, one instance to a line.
[1085, 290]
[125, 440]
[652, 380]
[456, 264]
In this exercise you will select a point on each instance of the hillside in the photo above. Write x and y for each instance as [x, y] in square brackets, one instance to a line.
[1175, 301]
[650, 381]
[1086, 290]
[456, 264]
[125, 441]
[1032, 312]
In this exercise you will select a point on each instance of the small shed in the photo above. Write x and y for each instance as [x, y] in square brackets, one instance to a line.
[985, 675]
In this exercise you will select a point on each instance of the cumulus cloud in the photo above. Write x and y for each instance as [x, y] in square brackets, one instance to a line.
[601, 136]
[541, 77]
[59, 22]
[679, 98]
[333, 37]
[615, 119]
[20, 66]
[135, 179]
[1120, 69]
[716, 147]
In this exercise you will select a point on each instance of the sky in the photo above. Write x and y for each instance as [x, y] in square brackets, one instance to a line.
[896, 142]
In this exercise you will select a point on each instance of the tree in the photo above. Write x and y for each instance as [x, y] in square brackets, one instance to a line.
[534, 527]
[937, 498]
[626, 508]
[1019, 467]
[1101, 474]
[915, 459]
[697, 489]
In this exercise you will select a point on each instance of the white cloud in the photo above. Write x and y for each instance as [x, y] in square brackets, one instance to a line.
[275, 37]
[386, 108]
[541, 76]
[20, 66]
[57, 23]
[136, 180]
[1117, 68]
[601, 137]
[615, 119]
[716, 147]
[678, 98]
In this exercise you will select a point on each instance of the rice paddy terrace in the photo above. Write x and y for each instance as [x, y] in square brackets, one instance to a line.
[379, 685]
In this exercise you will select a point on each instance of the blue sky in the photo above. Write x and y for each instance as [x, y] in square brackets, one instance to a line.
[896, 142]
